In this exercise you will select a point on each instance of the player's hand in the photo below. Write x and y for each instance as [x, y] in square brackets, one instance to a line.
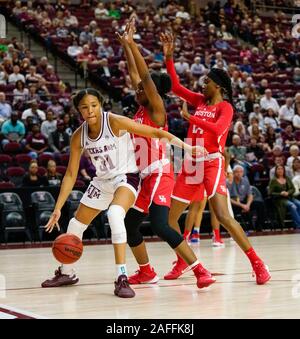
[184, 112]
[53, 221]
[123, 38]
[196, 151]
[167, 41]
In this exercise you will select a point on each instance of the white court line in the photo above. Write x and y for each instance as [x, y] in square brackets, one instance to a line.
[18, 313]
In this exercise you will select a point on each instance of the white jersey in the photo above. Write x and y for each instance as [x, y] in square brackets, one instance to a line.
[112, 156]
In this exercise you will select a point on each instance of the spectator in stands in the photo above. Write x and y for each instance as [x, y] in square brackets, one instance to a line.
[105, 50]
[5, 108]
[219, 58]
[42, 65]
[16, 75]
[21, 94]
[240, 130]
[264, 85]
[86, 56]
[3, 75]
[255, 152]
[246, 67]
[43, 92]
[236, 151]
[59, 140]
[281, 188]
[224, 34]
[197, 68]
[36, 142]
[62, 31]
[288, 137]
[86, 167]
[85, 37]
[279, 161]
[296, 76]
[101, 13]
[32, 77]
[182, 67]
[32, 178]
[267, 102]
[69, 125]
[56, 107]
[49, 125]
[12, 129]
[271, 137]
[254, 130]
[54, 178]
[242, 198]
[257, 114]
[294, 152]
[182, 13]
[74, 50]
[286, 112]
[296, 118]
[71, 21]
[114, 12]
[296, 168]
[34, 112]
[271, 119]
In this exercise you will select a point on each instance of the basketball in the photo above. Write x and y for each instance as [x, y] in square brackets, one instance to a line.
[67, 248]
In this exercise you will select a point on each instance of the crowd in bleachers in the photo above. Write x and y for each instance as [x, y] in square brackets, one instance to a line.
[259, 52]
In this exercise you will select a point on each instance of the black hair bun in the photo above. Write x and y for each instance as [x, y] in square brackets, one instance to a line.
[162, 82]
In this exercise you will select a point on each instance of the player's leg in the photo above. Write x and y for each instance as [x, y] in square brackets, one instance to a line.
[215, 224]
[123, 200]
[194, 219]
[159, 222]
[65, 275]
[145, 274]
[220, 206]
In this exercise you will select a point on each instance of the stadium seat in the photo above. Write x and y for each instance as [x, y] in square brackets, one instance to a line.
[43, 205]
[5, 162]
[42, 171]
[12, 215]
[44, 158]
[79, 183]
[61, 169]
[12, 148]
[16, 174]
[23, 160]
[6, 185]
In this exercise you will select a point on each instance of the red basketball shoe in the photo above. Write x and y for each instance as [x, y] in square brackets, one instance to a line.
[143, 277]
[204, 277]
[60, 280]
[178, 270]
[261, 271]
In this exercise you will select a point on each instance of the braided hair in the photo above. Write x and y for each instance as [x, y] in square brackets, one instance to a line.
[222, 78]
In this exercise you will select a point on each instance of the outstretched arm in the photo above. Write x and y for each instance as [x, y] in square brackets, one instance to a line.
[68, 181]
[148, 84]
[218, 128]
[125, 124]
[132, 69]
[191, 97]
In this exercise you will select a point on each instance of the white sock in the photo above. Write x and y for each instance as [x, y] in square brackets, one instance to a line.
[121, 270]
[77, 228]
[197, 229]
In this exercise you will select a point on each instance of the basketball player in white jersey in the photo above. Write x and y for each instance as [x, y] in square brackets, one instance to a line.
[106, 138]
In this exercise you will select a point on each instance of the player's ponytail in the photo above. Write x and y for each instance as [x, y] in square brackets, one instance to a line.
[78, 96]
[162, 82]
[222, 78]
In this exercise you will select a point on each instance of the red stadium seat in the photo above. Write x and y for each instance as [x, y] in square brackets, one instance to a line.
[16, 174]
[23, 160]
[12, 148]
[61, 169]
[44, 158]
[7, 185]
[79, 184]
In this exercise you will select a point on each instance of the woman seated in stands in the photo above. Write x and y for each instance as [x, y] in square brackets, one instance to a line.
[32, 178]
[282, 190]
[54, 178]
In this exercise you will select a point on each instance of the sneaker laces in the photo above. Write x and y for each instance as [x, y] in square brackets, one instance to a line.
[124, 283]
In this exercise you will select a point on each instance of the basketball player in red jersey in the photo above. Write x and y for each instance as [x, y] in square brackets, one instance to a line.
[157, 175]
[211, 123]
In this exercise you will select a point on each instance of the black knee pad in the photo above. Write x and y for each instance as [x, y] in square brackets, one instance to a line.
[133, 220]
[159, 222]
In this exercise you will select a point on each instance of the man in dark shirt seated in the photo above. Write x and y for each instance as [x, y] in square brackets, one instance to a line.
[242, 199]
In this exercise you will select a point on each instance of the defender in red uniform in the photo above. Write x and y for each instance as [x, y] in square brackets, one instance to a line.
[157, 175]
[211, 122]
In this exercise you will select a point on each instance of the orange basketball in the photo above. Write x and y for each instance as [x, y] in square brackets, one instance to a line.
[67, 248]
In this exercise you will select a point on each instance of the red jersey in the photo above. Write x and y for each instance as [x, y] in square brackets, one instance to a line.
[150, 153]
[210, 123]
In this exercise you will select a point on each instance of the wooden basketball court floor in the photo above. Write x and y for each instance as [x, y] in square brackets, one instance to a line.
[235, 295]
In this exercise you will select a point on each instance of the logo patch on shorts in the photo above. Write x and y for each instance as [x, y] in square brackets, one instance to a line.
[93, 192]
[162, 198]
[223, 188]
